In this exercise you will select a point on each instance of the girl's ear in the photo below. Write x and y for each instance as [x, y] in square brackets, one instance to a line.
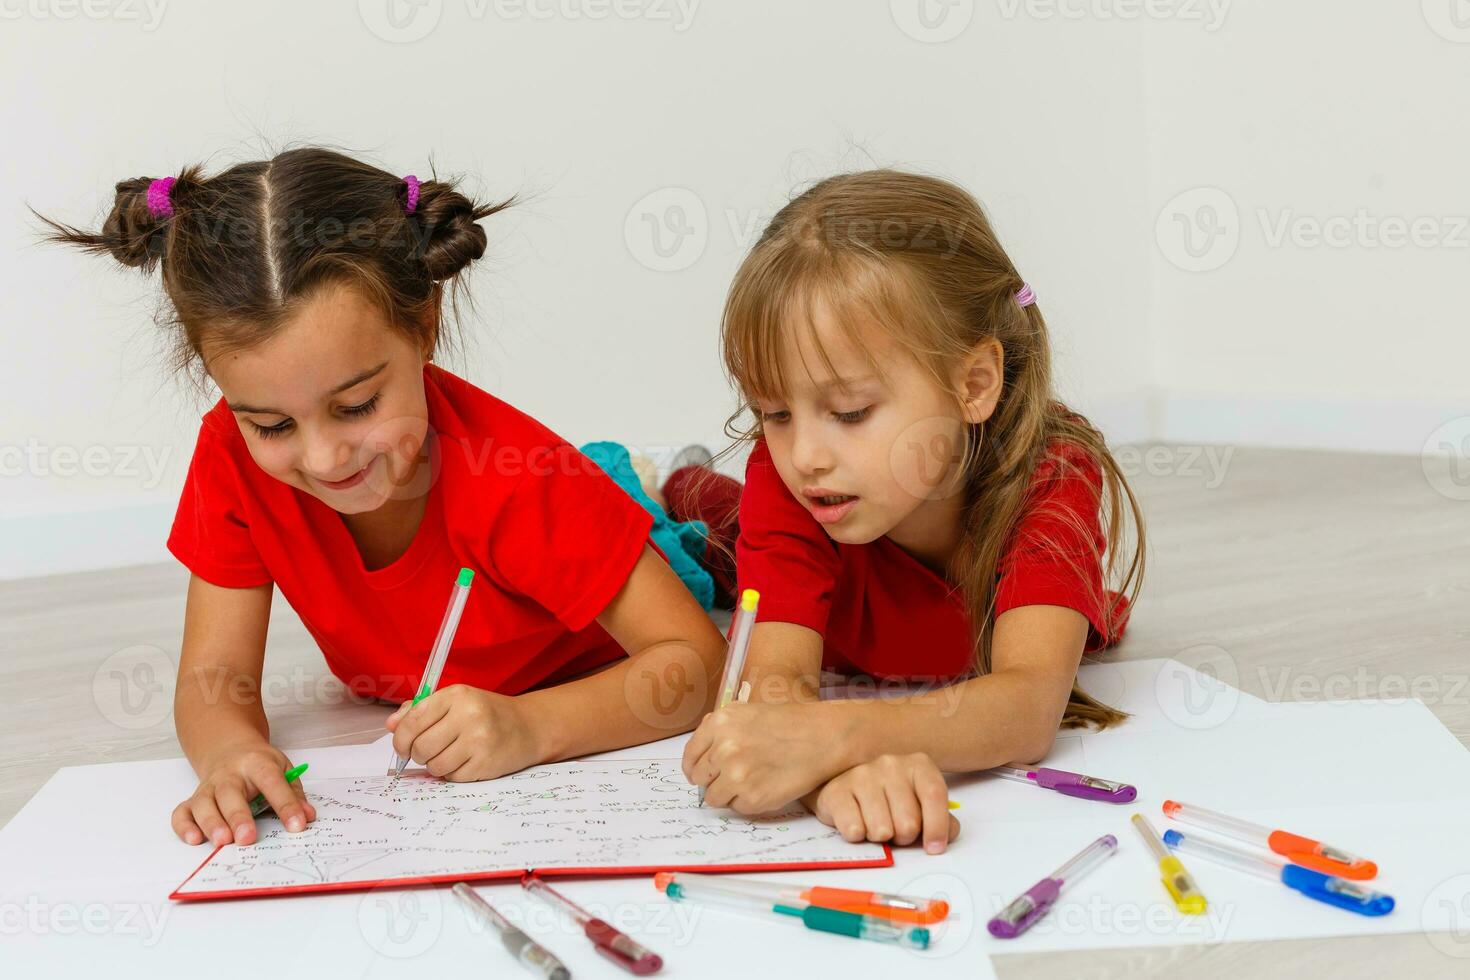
[979, 380]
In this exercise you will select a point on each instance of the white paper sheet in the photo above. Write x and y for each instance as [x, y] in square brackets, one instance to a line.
[88, 863]
[569, 815]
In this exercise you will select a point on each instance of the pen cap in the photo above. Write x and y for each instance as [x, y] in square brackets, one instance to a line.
[1085, 787]
[1025, 909]
[1336, 891]
[621, 950]
[1320, 857]
[1181, 886]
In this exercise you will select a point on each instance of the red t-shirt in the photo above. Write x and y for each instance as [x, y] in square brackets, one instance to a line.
[551, 539]
[884, 613]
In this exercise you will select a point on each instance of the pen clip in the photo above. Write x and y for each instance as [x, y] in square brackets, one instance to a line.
[1336, 891]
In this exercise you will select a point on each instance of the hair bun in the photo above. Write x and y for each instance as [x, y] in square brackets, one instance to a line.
[134, 235]
[452, 237]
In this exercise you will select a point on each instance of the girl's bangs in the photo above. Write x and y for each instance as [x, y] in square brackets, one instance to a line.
[778, 309]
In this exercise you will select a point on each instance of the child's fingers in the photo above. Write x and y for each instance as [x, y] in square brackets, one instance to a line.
[719, 792]
[306, 804]
[695, 750]
[184, 825]
[281, 796]
[230, 797]
[432, 741]
[415, 721]
[845, 815]
[702, 770]
[873, 802]
[933, 799]
[450, 758]
[207, 816]
[903, 806]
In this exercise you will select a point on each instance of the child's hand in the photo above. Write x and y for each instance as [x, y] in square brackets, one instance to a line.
[463, 733]
[898, 798]
[219, 810]
[755, 758]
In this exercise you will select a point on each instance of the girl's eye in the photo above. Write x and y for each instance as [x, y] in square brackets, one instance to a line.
[775, 417]
[280, 428]
[851, 417]
[364, 408]
[270, 432]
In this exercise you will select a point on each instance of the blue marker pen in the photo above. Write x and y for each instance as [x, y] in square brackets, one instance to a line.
[1314, 884]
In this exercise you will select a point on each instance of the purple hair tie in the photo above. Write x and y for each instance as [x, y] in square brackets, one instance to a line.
[413, 193]
[159, 204]
[1024, 296]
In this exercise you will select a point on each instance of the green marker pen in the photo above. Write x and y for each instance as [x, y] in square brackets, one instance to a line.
[259, 805]
[447, 628]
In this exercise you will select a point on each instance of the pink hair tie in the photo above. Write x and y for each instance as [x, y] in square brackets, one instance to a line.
[159, 204]
[413, 193]
[1024, 296]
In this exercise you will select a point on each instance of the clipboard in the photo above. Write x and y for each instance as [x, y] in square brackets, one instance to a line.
[571, 818]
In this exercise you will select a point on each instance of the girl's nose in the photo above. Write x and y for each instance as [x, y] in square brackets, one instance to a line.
[326, 458]
[809, 452]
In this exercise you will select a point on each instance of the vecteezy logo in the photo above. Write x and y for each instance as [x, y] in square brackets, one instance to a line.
[932, 21]
[1199, 230]
[1202, 697]
[400, 21]
[952, 934]
[1445, 916]
[132, 688]
[671, 697]
[927, 459]
[400, 922]
[1449, 477]
[667, 230]
[1450, 19]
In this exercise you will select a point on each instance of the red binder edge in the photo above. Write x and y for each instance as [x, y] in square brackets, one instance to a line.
[886, 861]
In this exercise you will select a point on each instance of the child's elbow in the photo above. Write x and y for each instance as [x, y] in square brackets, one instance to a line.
[1036, 744]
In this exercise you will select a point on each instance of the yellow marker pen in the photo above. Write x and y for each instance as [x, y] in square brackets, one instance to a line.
[1180, 885]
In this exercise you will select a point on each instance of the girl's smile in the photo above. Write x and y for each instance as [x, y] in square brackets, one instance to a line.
[351, 481]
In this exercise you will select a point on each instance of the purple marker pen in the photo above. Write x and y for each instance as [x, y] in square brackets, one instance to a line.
[1031, 905]
[1071, 784]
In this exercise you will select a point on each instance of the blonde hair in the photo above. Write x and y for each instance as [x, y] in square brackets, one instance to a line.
[917, 256]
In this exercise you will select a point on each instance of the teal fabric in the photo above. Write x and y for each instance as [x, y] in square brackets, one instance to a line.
[682, 542]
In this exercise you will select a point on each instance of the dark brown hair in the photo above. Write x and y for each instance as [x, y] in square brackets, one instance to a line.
[917, 255]
[244, 249]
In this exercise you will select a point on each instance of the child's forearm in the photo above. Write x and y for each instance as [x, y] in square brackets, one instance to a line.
[215, 707]
[987, 721]
[785, 664]
[782, 684]
[661, 691]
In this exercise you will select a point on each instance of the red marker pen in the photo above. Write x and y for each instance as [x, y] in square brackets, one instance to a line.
[608, 941]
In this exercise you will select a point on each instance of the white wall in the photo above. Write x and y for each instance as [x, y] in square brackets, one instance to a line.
[1327, 136]
[730, 110]
[1077, 125]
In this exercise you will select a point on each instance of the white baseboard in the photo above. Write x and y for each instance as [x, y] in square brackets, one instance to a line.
[1398, 427]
